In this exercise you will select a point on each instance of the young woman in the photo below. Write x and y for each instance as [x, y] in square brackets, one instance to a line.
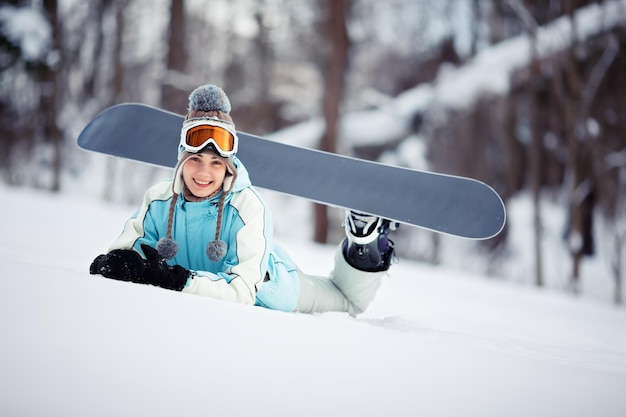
[209, 232]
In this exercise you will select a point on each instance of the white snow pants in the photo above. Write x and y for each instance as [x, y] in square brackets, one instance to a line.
[346, 289]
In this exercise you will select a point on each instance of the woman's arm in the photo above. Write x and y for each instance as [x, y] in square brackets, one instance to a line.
[141, 227]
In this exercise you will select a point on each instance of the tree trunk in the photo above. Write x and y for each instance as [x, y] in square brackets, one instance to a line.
[582, 201]
[537, 174]
[263, 112]
[336, 67]
[616, 267]
[174, 95]
[49, 78]
[117, 81]
[537, 130]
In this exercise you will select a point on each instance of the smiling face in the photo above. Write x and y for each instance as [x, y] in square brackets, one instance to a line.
[204, 174]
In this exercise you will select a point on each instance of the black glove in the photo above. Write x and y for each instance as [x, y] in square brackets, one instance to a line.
[158, 272]
[120, 264]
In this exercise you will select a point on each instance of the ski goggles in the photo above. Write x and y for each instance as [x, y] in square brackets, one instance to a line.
[198, 133]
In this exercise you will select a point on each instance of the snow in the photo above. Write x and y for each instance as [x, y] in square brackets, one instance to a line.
[436, 341]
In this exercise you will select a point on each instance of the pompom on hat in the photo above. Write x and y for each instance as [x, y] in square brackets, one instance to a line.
[208, 98]
[210, 102]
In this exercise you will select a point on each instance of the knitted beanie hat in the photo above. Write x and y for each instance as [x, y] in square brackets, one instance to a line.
[207, 101]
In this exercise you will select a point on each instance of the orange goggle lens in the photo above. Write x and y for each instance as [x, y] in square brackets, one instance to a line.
[200, 136]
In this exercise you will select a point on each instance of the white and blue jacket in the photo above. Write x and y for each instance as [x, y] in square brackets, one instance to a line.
[251, 259]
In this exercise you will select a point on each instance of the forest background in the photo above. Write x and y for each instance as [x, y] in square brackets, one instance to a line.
[552, 131]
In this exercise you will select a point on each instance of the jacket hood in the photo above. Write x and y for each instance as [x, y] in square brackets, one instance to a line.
[243, 178]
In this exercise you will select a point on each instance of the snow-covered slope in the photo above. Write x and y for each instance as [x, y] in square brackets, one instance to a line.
[435, 341]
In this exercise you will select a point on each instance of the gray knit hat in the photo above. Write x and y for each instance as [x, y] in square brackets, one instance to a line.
[207, 101]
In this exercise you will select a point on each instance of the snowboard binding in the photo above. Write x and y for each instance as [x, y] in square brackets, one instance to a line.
[367, 246]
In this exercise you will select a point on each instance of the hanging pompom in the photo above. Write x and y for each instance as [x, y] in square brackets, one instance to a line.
[216, 250]
[167, 247]
[207, 98]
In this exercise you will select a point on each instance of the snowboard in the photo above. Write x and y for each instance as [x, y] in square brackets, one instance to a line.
[441, 203]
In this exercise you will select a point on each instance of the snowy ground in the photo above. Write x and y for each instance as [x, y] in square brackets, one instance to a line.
[435, 342]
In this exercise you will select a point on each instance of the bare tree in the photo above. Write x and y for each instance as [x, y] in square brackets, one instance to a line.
[49, 78]
[117, 82]
[174, 95]
[535, 87]
[334, 80]
[617, 256]
[577, 92]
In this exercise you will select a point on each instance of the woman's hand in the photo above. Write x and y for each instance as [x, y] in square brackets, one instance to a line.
[128, 265]
[158, 272]
[120, 264]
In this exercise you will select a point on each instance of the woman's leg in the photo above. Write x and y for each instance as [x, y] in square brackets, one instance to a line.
[360, 263]
[346, 289]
